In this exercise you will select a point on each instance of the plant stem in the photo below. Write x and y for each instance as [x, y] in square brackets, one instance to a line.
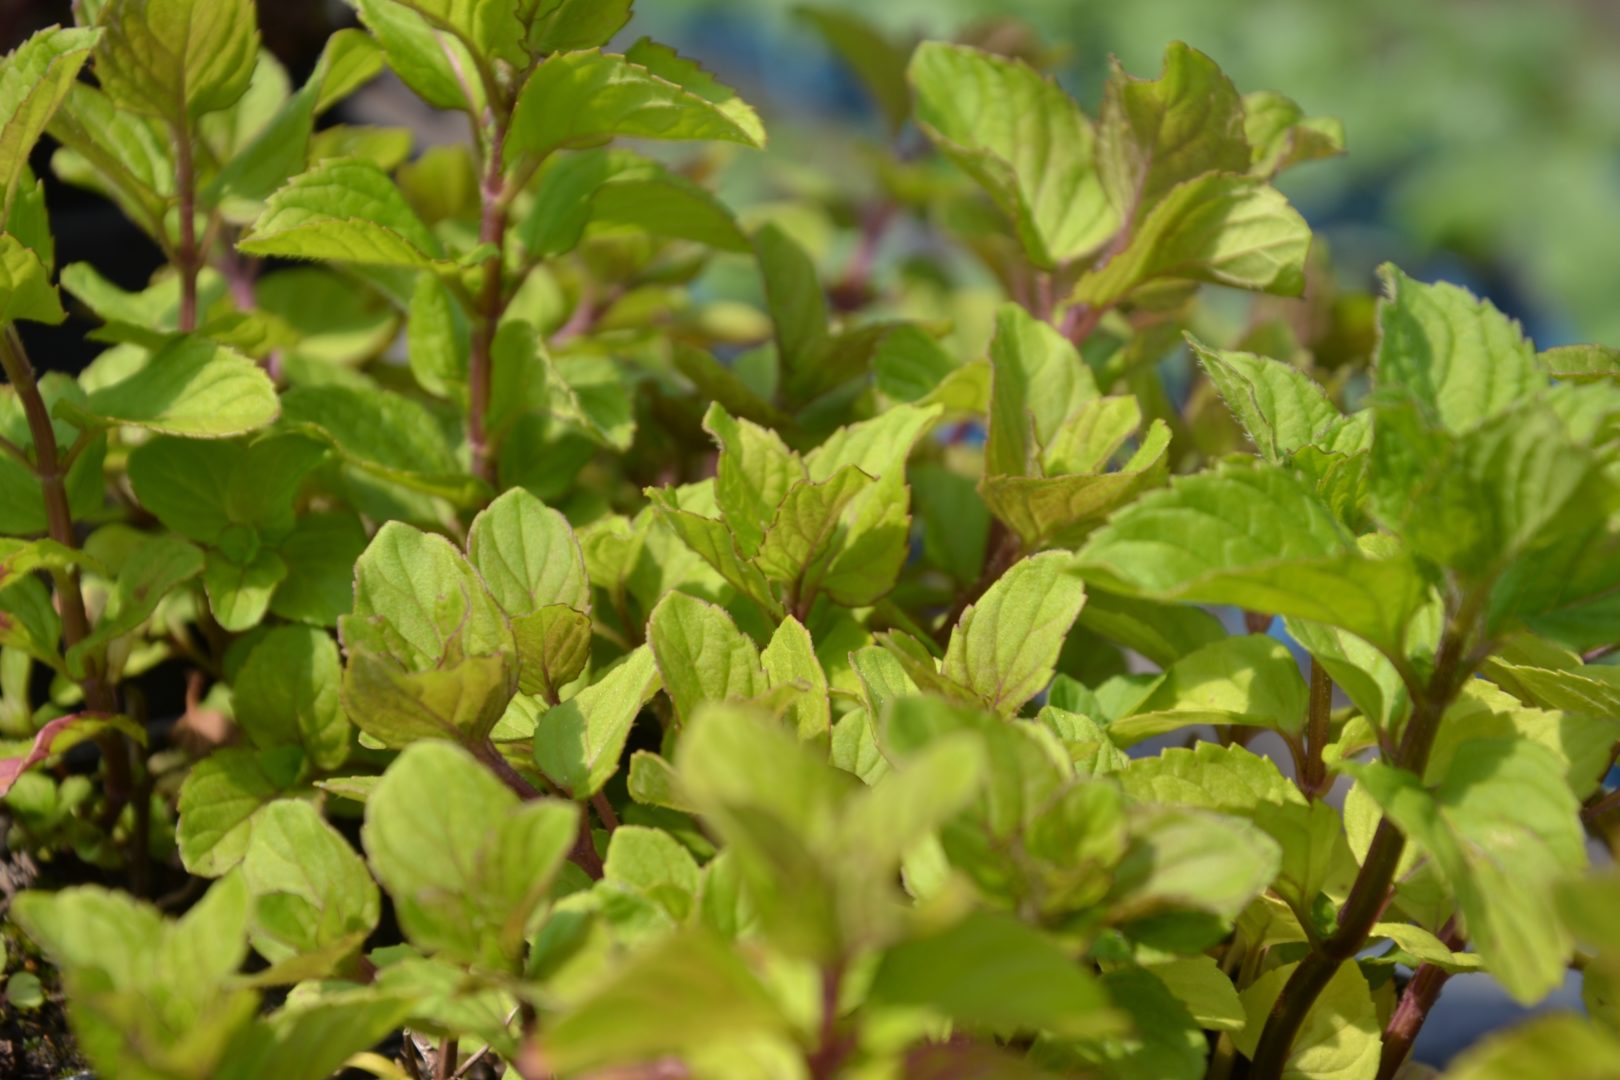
[1416, 1001]
[1314, 780]
[1001, 550]
[831, 1048]
[186, 260]
[584, 854]
[98, 695]
[1370, 891]
[444, 1068]
[604, 811]
[491, 302]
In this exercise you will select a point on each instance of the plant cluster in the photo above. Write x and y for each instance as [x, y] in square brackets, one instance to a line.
[597, 676]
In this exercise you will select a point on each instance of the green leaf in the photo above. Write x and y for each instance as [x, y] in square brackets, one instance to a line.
[1419, 944]
[1164, 1043]
[1217, 228]
[346, 211]
[1062, 510]
[1503, 828]
[1580, 363]
[312, 893]
[776, 805]
[1023, 140]
[220, 492]
[530, 560]
[218, 800]
[239, 592]
[418, 597]
[578, 744]
[1249, 680]
[1341, 1034]
[189, 387]
[320, 554]
[287, 693]
[877, 62]
[490, 27]
[466, 863]
[714, 542]
[177, 59]
[311, 1041]
[990, 970]
[1280, 407]
[654, 863]
[692, 991]
[22, 500]
[584, 98]
[1154, 135]
[425, 60]
[1458, 357]
[1190, 860]
[790, 659]
[701, 654]
[26, 291]
[567, 25]
[1202, 541]
[1037, 382]
[1281, 136]
[802, 536]
[34, 78]
[753, 476]
[1005, 645]
[1557, 1044]
[383, 433]
[159, 566]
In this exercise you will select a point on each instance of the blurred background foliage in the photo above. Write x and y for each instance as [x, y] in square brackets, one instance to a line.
[1484, 135]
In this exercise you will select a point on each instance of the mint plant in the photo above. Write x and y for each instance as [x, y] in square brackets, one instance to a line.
[619, 645]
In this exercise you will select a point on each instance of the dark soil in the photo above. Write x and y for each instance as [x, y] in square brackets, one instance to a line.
[35, 1044]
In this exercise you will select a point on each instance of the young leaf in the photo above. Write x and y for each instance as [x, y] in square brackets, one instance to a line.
[799, 539]
[239, 590]
[1458, 357]
[1153, 135]
[177, 59]
[1281, 136]
[1217, 228]
[791, 658]
[34, 78]
[1037, 382]
[568, 25]
[578, 743]
[583, 98]
[343, 210]
[528, 557]
[489, 27]
[1023, 140]
[465, 862]
[752, 477]
[1280, 407]
[1005, 645]
[701, 654]
[26, 291]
